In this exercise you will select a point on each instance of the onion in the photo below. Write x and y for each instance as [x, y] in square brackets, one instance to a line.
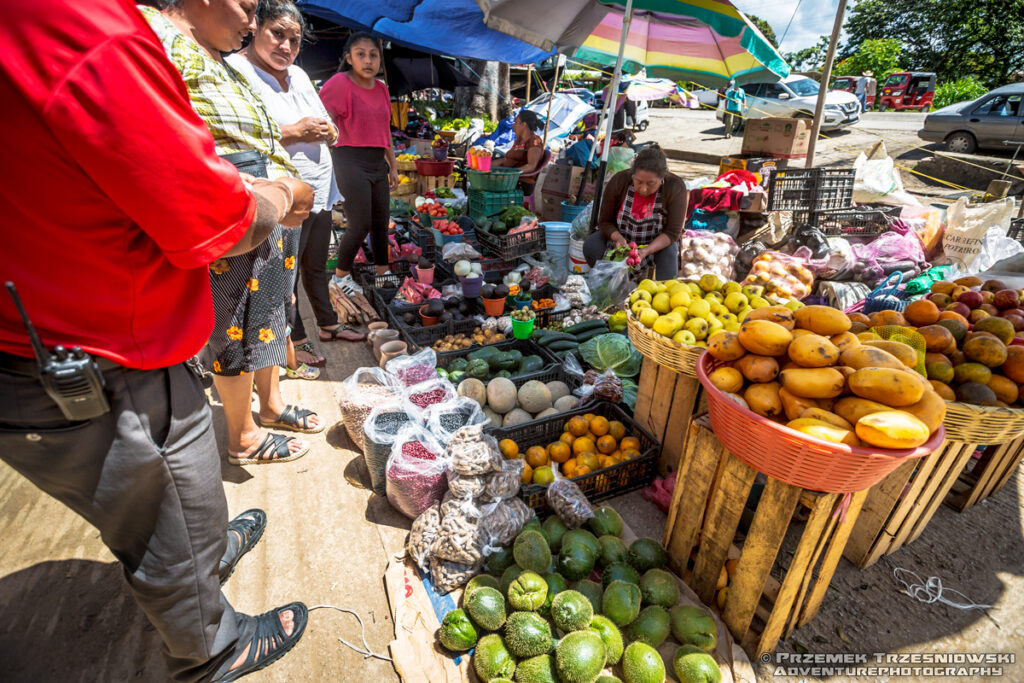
[463, 268]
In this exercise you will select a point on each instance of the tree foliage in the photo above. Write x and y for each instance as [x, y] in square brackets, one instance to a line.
[880, 57]
[953, 38]
[765, 29]
[810, 58]
[960, 90]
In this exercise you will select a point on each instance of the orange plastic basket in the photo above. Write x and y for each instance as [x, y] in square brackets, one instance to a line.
[795, 458]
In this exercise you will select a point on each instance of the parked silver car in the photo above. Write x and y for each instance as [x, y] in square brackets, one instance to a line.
[985, 123]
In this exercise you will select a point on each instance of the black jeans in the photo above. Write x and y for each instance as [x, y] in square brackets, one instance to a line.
[362, 174]
[314, 241]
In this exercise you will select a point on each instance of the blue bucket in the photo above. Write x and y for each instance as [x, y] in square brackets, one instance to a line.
[570, 210]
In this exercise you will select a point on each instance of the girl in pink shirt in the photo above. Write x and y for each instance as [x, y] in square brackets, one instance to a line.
[364, 159]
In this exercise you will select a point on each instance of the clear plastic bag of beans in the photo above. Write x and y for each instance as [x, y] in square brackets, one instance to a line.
[568, 501]
[422, 536]
[426, 394]
[473, 452]
[416, 471]
[411, 370]
[379, 432]
[360, 393]
[447, 576]
[444, 419]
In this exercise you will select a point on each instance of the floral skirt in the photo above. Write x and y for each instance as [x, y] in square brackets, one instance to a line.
[250, 292]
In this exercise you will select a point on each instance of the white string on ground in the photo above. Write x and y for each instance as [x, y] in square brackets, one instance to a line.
[932, 590]
[362, 633]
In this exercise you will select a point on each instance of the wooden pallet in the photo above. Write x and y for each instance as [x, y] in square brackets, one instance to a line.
[899, 507]
[989, 474]
[712, 489]
[665, 404]
[432, 182]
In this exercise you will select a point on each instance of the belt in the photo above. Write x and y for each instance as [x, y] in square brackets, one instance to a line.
[29, 367]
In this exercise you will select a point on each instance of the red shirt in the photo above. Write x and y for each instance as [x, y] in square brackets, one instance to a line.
[643, 207]
[362, 115]
[114, 200]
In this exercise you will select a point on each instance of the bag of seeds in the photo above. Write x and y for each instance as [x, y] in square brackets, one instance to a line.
[411, 370]
[422, 536]
[363, 391]
[470, 451]
[426, 394]
[505, 483]
[502, 521]
[447, 576]
[568, 501]
[379, 431]
[459, 538]
[464, 486]
[416, 471]
[444, 419]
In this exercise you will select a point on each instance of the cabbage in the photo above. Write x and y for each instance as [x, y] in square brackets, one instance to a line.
[612, 351]
[629, 390]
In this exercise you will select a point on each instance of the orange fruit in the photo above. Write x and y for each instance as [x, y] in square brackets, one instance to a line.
[527, 474]
[569, 468]
[577, 426]
[509, 448]
[617, 456]
[543, 476]
[616, 429]
[607, 461]
[630, 454]
[559, 451]
[583, 445]
[629, 443]
[722, 597]
[589, 460]
[599, 426]
[921, 313]
[607, 444]
[536, 456]
[589, 416]
[581, 470]
[567, 438]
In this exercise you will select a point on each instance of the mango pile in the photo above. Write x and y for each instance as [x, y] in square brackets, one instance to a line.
[690, 312]
[808, 370]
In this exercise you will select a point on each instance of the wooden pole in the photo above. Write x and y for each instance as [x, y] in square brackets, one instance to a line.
[551, 101]
[826, 74]
[529, 79]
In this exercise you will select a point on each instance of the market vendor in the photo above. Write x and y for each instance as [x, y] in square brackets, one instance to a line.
[527, 151]
[644, 204]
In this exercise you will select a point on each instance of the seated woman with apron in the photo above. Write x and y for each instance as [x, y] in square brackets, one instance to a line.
[527, 151]
[644, 204]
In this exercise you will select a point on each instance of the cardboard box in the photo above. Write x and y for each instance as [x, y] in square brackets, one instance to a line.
[782, 138]
[563, 178]
[762, 165]
[550, 208]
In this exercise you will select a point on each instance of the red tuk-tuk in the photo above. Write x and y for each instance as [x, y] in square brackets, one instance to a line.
[849, 84]
[908, 90]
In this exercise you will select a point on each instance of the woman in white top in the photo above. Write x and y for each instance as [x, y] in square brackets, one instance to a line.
[306, 131]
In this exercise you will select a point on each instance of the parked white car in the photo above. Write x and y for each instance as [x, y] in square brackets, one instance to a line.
[797, 96]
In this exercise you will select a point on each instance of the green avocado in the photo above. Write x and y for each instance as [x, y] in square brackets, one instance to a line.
[620, 571]
[498, 561]
[693, 665]
[539, 669]
[651, 626]
[606, 521]
[610, 635]
[646, 553]
[575, 561]
[532, 551]
[579, 657]
[658, 587]
[621, 602]
[612, 550]
[592, 590]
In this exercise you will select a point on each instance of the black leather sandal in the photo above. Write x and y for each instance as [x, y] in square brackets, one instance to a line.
[270, 642]
[294, 419]
[274, 448]
[249, 526]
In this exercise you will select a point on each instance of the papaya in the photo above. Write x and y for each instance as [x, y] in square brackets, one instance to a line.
[935, 357]
[943, 390]
[757, 368]
[903, 353]
[972, 372]
[892, 429]
[813, 351]
[859, 318]
[853, 408]
[764, 337]
[800, 333]
[969, 281]
[845, 340]
[725, 345]
[887, 318]
[826, 416]
[931, 409]
[956, 327]
[976, 393]
[824, 430]
[865, 356]
[813, 382]
[795, 406]
[1000, 327]
[764, 399]
[776, 314]
[1013, 367]
[1005, 389]
[867, 335]
[942, 372]
[892, 387]
[988, 351]
[823, 320]
[728, 380]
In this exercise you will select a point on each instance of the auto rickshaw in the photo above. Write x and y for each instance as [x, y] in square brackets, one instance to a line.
[849, 84]
[908, 90]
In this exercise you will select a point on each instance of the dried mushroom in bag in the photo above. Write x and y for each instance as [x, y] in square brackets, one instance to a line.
[569, 502]
[503, 521]
[423, 534]
[459, 539]
[505, 483]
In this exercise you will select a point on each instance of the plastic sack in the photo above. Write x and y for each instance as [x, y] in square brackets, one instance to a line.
[379, 431]
[410, 370]
[702, 253]
[877, 180]
[459, 538]
[997, 253]
[967, 226]
[455, 251]
[619, 159]
[416, 471]
[470, 451]
[568, 501]
[576, 291]
[502, 522]
[890, 252]
[505, 483]
[428, 393]
[609, 283]
[927, 222]
[447, 576]
[422, 536]
[413, 292]
[781, 274]
[746, 255]
[466, 486]
[605, 386]
[840, 260]
[361, 392]
[444, 419]
[581, 224]
[922, 284]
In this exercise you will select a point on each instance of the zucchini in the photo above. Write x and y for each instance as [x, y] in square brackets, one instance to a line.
[563, 345]
[540, 332]
[590, 334]
[556, 336]
[585, 325]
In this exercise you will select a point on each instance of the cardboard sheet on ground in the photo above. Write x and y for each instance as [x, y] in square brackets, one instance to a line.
[418, 609]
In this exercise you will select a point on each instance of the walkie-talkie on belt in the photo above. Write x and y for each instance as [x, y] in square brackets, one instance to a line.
[71, 378]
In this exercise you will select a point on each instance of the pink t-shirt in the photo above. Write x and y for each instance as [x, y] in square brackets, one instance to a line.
[363, 116]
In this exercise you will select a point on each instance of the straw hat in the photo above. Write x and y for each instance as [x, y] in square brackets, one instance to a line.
[868, 74]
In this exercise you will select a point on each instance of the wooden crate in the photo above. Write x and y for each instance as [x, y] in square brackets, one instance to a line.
[989, 474]
[428, 182]
[898, 508]
[712, 488]
[665, 404]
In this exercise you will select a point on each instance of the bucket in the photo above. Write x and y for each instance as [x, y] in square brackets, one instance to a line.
[570, 210]
[556, 237]
[424, 275]
[441, 153]
[494, 307]
[522, 329]
[483, 163]
[471, 286]
[471, 160]
[428, 320]
[577, 262]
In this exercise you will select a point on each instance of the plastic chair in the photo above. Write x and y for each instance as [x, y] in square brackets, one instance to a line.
[545, 160]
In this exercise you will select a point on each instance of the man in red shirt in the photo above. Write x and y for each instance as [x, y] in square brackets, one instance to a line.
[108, 161]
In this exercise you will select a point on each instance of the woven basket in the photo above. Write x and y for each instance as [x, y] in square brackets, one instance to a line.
[405, 190]
[662, 350]
[407, 165]
[983, 425]
[795, 458]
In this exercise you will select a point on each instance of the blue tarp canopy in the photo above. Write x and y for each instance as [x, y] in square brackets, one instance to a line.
[444, 27]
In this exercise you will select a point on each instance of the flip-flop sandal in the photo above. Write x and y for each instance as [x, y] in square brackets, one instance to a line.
[294, 419]
[274, 448]
[268, 628]
[302, 372]
[342, 332]
[307, 347]
[249, 526]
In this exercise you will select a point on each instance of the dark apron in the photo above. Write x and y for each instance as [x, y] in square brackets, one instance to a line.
[642, 231]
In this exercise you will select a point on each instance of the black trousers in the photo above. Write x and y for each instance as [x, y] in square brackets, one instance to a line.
[362, 174]
[147, 476]
[314, 242]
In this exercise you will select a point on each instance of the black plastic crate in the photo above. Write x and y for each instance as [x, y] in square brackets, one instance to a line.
[547, 316]
[527, 347]
[833, 189]
[424, 337]
[810, 189]
[365, 274]
[510, 247]
[602, 484]
[864, 221]
[1016, 230]
[552, 373]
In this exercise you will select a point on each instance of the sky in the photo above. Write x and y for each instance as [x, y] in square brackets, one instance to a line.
[813, 18]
